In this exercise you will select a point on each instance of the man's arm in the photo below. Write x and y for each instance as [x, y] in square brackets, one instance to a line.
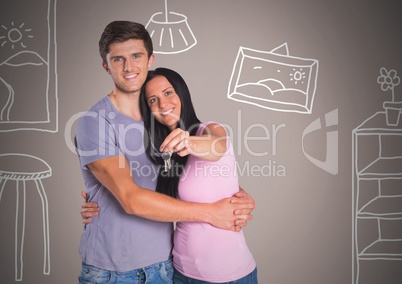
[159, 207]
[89, 210]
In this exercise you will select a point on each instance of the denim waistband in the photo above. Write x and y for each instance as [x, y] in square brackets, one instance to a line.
[154, 273]
[151, 266]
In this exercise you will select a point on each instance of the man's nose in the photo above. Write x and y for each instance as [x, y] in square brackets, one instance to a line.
[128, 65]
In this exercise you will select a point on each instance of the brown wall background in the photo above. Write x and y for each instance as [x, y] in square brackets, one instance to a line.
[303, 230]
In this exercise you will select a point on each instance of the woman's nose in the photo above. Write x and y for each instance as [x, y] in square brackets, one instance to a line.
[162, 103]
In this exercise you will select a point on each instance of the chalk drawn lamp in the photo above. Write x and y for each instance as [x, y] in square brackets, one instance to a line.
[170, 32]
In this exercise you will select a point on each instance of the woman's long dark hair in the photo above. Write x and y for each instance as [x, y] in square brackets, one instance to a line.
[156, 132]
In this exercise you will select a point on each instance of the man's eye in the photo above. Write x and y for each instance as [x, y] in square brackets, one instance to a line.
[117, 59]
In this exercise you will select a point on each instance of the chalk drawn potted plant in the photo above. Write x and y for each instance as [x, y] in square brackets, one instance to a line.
[388, 80]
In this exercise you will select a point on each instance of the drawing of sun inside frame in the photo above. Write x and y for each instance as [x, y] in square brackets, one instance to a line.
[274, 81]
[28, 86]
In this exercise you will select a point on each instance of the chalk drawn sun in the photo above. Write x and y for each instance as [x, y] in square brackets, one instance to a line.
[14, 35]
[298, 76]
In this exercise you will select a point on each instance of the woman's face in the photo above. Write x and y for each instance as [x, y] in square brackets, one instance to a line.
[163, 101]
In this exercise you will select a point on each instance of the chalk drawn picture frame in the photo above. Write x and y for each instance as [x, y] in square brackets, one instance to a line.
[28, 66]
[274, 80]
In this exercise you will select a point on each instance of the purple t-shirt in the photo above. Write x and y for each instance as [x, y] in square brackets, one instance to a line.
[115, 240]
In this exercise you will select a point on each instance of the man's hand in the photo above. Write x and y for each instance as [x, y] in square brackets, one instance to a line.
[88, 210]
[243, 214]
[232, 213]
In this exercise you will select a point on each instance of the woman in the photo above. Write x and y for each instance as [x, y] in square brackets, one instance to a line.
[202, 168]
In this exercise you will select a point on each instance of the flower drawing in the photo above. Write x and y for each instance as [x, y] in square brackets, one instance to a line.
[388, 80]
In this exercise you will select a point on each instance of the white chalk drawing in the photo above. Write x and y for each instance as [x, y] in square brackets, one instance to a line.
[377, 184]
[330, 164]
[5, 111]
[388, 81]
[170, 32]
[26, 170]
[28, 101]
[274, 80]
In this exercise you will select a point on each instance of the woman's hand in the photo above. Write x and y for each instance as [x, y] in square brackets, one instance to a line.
[88, 210]
[177, 141]
[210, 146]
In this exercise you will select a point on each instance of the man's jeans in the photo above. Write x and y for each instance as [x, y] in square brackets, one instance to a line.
[158, 273]
[182, 279]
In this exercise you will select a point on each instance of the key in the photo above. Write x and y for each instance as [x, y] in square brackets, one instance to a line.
[166, 156]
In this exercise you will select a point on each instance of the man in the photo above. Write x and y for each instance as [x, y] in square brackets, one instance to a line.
[136, 247]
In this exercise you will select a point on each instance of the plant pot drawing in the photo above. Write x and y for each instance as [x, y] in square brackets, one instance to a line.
[392, 112]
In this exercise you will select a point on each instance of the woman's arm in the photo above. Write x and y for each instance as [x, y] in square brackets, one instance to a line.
[211, 145]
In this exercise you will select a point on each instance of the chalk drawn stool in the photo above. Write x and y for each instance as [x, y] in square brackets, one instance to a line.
[22, 168]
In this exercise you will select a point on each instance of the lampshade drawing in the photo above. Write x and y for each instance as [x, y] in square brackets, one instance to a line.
[170, 32]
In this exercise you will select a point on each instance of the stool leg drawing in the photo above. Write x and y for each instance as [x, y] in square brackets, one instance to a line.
[19, 219]
[2, 184]
[45, 216]
[20, 225]
[19, 229]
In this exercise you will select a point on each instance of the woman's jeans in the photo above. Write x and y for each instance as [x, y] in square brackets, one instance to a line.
[158, 273]
[179, 278]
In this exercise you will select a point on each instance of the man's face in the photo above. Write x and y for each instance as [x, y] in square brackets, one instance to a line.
[128, 64]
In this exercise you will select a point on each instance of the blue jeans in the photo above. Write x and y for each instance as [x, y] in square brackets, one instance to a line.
[158, 273]
[179, 278]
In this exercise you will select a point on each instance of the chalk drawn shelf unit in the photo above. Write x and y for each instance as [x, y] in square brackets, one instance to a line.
[377, 193]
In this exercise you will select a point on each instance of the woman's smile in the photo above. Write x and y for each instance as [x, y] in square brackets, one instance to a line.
[163, 101]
